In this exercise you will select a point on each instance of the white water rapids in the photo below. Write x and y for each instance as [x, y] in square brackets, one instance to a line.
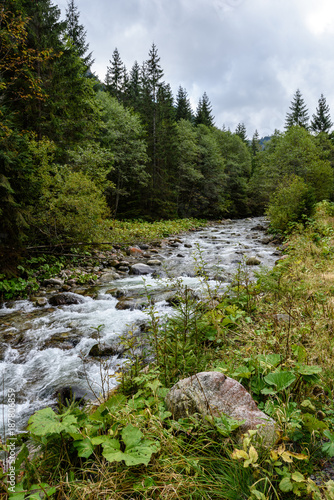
[51, 343]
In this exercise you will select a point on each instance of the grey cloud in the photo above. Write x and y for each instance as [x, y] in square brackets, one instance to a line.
[248, 55]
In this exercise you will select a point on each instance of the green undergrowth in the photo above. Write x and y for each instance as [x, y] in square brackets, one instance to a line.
[275, 336]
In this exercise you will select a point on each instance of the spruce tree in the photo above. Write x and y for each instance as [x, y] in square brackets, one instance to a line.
[133, 88]
[77, 33]
[116, 77]
[151, 76]
[241, 132]
[183, 106]
[255, 144]
[321, 121]
[204, 114]
[299, 113]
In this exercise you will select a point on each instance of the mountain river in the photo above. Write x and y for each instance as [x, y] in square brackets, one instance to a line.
[44, 349]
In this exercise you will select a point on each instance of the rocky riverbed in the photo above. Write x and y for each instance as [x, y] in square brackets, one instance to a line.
[59, 336]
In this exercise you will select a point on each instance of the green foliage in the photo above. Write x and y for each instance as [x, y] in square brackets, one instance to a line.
[295, 153]
[137, 450]
[293, 201]
[72, 208]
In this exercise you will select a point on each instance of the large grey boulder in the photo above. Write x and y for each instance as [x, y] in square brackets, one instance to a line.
[141, 269]
[212, 393]
[65, 299]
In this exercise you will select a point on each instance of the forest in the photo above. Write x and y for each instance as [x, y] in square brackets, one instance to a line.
[77, 153]
[89, 167]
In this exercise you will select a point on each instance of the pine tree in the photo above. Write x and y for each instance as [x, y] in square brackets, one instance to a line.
[183, 106]
[204, 112]
[299, 113]
[116, 77]
[321, 121]
[241, 132]
[255, 144]
[151, 76]
[133, 88]
[77, 33]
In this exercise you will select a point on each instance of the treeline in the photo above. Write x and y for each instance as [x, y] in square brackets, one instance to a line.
[75, 151]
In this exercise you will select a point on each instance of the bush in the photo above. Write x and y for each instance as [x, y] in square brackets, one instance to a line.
[292, 202]
[72, 208]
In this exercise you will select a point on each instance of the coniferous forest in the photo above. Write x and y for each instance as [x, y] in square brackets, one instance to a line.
[76, 151]
[89, 167]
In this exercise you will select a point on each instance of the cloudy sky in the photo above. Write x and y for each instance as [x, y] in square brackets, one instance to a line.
[249, 56]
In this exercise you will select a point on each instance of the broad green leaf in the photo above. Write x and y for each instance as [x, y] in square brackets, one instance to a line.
[281, 380]
[308, 370]
[112, 450]
[46, 421]
[329, 447]
[242, 372]
[111, 406]
[285, 485]
[42, 489]
[131, 436]
[100, 439]
[298, 477]
[19, 493]
[311, 423]
[137, 450]
[267, 391]
[271, 360]
[85, 447]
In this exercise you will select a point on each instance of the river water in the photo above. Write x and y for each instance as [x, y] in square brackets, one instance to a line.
[46, 349]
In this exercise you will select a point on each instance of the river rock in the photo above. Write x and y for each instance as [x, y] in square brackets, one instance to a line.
[66, 298]
[130, 303]
[53, 282]
[141, 269]
[154, 262]
[259, 227]
[267, 240]
[212, 393]
[135, 251]
[188, 245]
[253, 261]
[40, 301]
[99, 351]
[110, 276]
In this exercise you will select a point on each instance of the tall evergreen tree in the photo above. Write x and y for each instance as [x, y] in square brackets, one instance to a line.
[133, 88]
[321, 121]
[183, 106]
[116, 77]
[298, 114]
[77, 33]
[204, 114]
[151, 75]
[255, 144]
[241, 132]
